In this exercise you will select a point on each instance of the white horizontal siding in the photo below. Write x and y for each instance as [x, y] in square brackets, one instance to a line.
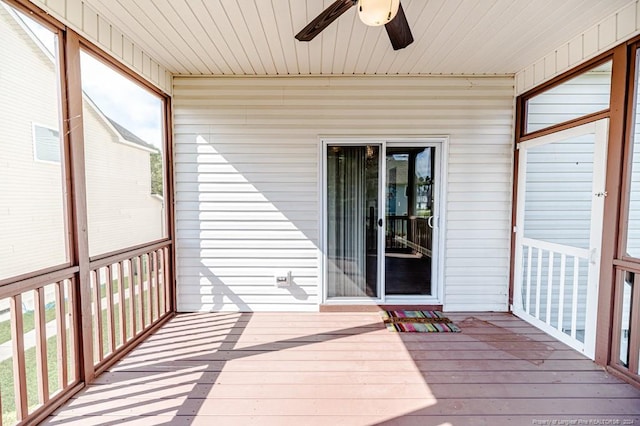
[558, 202]
[246, 171]
[610, 31]
[633, 236]
[32, 225]
[83, 19]
[585, 94]
[121, 211]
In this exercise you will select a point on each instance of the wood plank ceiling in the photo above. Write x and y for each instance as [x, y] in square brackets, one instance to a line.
[256, 37]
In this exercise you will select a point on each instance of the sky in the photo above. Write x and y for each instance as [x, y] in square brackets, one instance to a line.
[122, 100]
[118, 97]
[423, 164]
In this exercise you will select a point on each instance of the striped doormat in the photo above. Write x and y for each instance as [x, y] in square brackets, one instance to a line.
[418, 322]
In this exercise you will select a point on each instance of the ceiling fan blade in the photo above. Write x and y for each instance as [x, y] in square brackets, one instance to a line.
[399, 31]
[323, 20]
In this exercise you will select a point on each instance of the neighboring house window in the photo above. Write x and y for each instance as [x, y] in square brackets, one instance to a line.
[46, 144]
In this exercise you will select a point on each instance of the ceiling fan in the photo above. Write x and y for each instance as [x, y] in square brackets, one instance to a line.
[372, 12]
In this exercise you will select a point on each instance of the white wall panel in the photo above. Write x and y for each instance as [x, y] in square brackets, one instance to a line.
[246, 170]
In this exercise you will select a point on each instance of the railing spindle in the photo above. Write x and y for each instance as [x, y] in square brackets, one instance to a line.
[74, 357]
[61, 332]
[140, 300]
[563, 271]
[132, 299]
[538, 282]
[574, 302]
[166, 280]
[122, 304]
[160, 257]
[156, 291]
[152, 274]
[19, 363]
[111, 330]
[40, 326]
[98, 353]
[549, 287]
[529, 265]
[149, 303]
[161, 284]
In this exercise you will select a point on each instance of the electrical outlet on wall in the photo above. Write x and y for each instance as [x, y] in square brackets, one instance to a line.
[283, 278]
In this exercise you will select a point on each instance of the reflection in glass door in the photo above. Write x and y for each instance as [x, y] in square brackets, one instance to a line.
[409, 219]
[352, 220]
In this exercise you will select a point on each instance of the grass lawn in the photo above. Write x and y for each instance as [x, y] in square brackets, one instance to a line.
[106, 349]
[7, 380]
[28, 319]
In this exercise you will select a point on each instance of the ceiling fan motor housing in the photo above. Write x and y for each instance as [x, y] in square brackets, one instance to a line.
[377, 12]
[372, 12]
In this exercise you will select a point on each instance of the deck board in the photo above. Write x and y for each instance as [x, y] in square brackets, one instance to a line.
[347, 369]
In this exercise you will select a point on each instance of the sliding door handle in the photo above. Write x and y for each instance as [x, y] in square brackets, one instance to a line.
[380, 223]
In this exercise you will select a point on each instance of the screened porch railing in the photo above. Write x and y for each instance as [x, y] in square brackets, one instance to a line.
[39, 357]
[40, 326]
[409, 232]
[553, 289]
[129, 294]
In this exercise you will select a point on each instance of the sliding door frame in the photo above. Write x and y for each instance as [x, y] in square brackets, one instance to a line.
[441, 143]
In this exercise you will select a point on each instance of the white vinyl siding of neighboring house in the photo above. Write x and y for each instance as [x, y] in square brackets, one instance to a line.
[121, 210]
[33, 233]
[247, 187]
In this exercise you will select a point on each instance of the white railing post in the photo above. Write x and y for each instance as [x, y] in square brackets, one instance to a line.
[549, 288]
[563, 271]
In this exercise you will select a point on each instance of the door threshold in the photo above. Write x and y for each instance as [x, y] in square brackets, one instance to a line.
[375, 308]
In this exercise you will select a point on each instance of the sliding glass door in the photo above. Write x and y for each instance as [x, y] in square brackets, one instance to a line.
[352, 220]
[381, 221]
[409, 220]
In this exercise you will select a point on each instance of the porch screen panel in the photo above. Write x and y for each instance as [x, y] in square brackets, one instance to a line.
[124, 140]
[352, 213]
[33, 213]
[557, 210]
[585, 94]
[625, 348]
[633, 218]
[558, 191]
[625, 323]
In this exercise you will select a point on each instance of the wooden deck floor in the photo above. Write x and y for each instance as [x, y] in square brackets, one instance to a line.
[347, 369]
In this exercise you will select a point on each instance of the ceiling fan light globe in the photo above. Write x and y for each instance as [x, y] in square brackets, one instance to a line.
[377, 12]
